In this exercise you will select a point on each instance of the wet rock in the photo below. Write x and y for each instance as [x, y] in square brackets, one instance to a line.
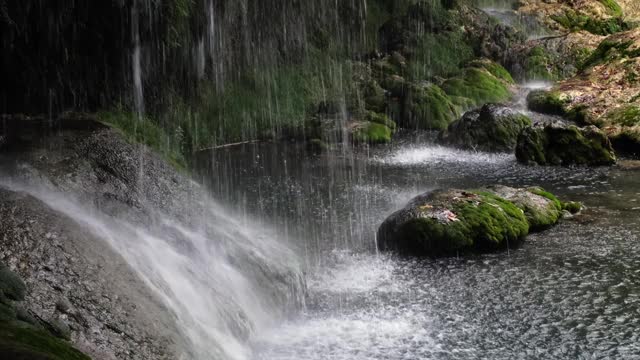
[11, 286]
[59, 328]
[558, 144]
[64, 306]
[493, 127]
[449, 222]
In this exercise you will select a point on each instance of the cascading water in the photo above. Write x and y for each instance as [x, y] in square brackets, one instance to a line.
[222, 279]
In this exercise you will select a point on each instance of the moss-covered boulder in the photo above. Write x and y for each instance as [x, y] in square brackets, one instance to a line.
[492, 128]
[480, 84]
[557, 144]
[547, 102]
[368, 132]
[427, 106]
[449, 222]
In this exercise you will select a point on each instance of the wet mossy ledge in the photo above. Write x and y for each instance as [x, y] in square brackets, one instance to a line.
[453, 222]
[23, 336]
[558, 144]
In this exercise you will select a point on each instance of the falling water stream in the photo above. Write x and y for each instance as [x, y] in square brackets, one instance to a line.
[565, 293]
[232, 277]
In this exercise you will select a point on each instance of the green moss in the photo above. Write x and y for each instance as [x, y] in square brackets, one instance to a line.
[624, 116]
[383, 119]
[608, 50]
[538, 65]
[428, 107]
[546, 102]
[573, 207]
[575, 21]
[143, 130]
[484, 222]
[371, 133]
[439, 54]
[545, 194]
[613, 7]
[494, 68]
[19, 341]
[479, 85]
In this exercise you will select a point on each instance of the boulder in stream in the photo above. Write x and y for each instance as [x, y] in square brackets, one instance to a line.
[559, 144]
[493, 127]
[452, 221]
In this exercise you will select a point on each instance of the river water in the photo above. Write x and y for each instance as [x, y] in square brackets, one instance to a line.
[569, 292]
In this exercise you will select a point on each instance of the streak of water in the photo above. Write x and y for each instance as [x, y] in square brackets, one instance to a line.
[224, 280]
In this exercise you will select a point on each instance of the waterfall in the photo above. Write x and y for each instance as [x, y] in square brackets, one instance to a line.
[222, 279]
[135, 61]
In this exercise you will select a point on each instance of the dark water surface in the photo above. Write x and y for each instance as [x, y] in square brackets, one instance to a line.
[572, 292]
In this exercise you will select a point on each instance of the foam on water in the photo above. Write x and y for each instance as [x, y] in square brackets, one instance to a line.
[355, 273]
[435, 154]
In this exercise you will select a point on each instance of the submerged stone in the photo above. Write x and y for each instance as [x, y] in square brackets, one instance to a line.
[493, 127]
[448, 222]
[557, 144]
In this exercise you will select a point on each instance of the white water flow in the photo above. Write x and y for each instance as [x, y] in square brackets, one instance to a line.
[223, 280]
[135, 62]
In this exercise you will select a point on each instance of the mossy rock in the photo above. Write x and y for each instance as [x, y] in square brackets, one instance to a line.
[541, 208]
[450, 222]
[613, 7]
[539, 65]
[479, 85]
[547, 102]
[494, 68]
[610, 49]
[577, 21]
[380, 118]
[447, 222]
[11, 285]
[558, 144]
[19, 341]
[371, 133]
[428, 107]
[628, 115]
[493, 128]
